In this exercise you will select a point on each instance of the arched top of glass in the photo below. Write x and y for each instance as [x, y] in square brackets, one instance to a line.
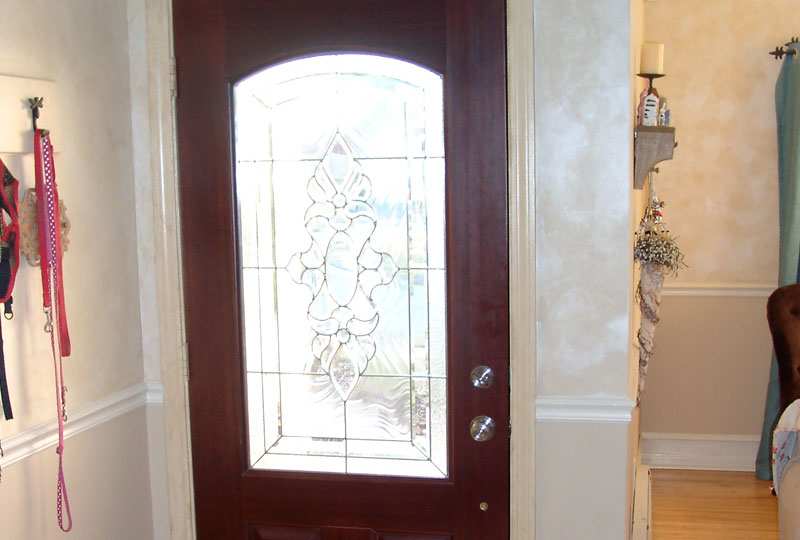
[403, 72]
[350, 93]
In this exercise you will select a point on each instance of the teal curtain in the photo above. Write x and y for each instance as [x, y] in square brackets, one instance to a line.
[787, 108]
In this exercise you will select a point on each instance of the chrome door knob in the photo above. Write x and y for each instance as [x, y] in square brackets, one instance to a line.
[482, 377]
[482, 428]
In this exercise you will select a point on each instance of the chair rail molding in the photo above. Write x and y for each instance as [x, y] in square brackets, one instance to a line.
[37, 438]
[700, 289]
[584, 409]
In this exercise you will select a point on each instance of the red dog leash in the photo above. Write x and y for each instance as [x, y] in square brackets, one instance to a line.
[53, 295]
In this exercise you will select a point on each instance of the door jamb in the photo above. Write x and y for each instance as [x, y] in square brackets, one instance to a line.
[166, 224]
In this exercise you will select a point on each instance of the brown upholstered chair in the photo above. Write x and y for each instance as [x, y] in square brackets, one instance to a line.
[783, 316]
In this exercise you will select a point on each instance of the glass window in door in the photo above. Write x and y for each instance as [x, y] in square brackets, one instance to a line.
[340, 184]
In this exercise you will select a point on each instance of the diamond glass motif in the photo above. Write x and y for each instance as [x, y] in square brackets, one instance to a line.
[340, 193]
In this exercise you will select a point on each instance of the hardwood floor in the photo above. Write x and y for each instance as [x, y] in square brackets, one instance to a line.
[712, 505]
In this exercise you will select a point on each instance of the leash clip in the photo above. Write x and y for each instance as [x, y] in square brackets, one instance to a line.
[48, 325]
[64, 403]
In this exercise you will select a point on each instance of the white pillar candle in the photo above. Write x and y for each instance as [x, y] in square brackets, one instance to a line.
[652, 58]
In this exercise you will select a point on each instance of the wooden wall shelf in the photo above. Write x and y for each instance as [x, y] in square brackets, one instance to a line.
[652, 144]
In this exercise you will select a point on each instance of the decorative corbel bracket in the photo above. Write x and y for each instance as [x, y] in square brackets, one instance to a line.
[652, 144]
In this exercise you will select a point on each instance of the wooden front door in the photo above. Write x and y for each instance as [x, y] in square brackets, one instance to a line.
[420, 470]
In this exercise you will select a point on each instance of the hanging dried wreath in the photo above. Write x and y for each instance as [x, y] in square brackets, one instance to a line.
[658, 254]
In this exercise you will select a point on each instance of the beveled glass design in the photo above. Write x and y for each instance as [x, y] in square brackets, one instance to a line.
[340, 192]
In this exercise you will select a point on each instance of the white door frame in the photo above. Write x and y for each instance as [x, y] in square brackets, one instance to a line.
[166, 224]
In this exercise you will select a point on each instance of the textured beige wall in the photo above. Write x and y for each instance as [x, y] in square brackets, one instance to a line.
[583, 159]
[721, 188]
[583, 135]
[106, 471]
[709, 371]
[82, 45]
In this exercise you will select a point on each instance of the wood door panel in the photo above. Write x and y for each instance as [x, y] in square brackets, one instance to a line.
[392, 536]
[217, 42]
[273, 496]
[261, 532]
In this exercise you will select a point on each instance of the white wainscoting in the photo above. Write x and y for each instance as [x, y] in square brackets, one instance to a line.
[38, 438]
[699, 452]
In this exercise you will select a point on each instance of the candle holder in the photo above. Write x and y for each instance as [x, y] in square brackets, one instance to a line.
[650, 77]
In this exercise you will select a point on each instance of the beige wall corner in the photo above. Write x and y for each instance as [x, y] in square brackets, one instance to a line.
[709, 373]
[583, 165]
[81, 47]
[705, 398]
[586, 434]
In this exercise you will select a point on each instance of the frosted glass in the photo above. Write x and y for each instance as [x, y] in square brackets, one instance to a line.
[421, 415]
[310, 446]
[437, 323]
[389, 467]
[418, 321]
[391, 336]
[340, 195]
[310, 407]
[255, 416]
[438, 411]
[379, 408]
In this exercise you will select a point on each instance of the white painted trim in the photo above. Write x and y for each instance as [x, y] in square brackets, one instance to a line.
[759, 290]
[583, 409]
[88, 416]
[155, 392]
[522, 259]
[169, 268]
[700, 452]
[640, 526]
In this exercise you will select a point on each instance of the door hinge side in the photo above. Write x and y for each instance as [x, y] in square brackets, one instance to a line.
[173, 77]
[509, 427]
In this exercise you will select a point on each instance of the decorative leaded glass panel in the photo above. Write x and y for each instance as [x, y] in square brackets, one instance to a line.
[340, 192]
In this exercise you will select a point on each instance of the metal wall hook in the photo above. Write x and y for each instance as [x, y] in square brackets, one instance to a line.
[780, 52]
[37, 103]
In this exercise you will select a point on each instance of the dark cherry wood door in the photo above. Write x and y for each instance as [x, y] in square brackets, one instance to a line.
[217, 44]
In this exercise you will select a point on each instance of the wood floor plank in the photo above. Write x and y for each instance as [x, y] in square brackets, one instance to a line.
[712, 505]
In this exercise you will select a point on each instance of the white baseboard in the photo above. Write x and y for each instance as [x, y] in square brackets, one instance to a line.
[700, 452]
[38, 438]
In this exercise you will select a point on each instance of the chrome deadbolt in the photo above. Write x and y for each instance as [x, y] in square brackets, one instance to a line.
[482, 428]
[482, 377]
